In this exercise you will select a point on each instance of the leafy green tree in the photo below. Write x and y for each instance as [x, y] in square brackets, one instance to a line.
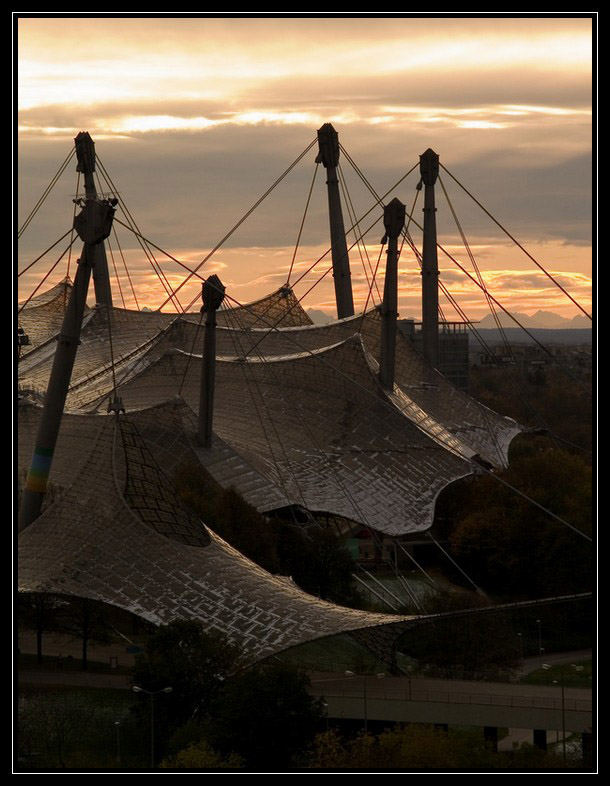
[266, 715]
[193, 662]
[513, 548]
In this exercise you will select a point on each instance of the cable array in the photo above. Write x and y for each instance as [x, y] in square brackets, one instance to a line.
[46, 192]
[146, 245]
[518, 244]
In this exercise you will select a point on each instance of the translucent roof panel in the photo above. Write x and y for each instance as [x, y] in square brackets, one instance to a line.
[42, 316]
[98, 541]
[319, 427]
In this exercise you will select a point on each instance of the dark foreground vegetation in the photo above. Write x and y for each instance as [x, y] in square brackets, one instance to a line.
[555, 398]
[220, 716]
[416, 747]
[217, 713]
[509, 546]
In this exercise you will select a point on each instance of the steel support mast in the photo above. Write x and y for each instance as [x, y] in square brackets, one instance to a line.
[85, 152]
[93, 224]
[393, 221]
[328, 155]
[212, 294]
[428, 167]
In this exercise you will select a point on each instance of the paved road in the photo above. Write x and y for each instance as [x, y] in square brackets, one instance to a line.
[77, 679]
[555, 658]
[415, 688]
[461, 702]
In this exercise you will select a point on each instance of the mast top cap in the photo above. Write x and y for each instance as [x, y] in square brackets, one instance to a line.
[212, 293]
[328, 144]
[428, 166]
[394, 217]
[85, 152]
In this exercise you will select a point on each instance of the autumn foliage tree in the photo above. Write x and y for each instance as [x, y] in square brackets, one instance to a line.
[421, 748]
[513, 548]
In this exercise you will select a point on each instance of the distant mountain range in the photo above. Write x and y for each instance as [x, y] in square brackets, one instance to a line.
[319, 317]
[514, 335]
[541, 319]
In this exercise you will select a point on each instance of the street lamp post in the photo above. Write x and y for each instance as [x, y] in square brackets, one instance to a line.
[152, 694]
[540, 650]
[117, 726]
[379, 676]
[325, 705]
[563, 716]
[561, 683]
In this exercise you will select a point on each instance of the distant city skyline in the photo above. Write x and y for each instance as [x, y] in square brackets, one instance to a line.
[194, 119]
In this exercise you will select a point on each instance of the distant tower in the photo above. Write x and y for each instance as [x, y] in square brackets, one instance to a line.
[428, 167]
[328, 143]
[394, 221]
[85, 154]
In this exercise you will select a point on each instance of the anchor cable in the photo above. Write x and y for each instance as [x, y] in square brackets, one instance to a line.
[313, 180]
[63, 253]
[242, 219]
[44, 253]
[46, 193]
[506, 232]
[143, 245]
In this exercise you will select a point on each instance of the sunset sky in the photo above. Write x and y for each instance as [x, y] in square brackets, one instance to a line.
[194, 118]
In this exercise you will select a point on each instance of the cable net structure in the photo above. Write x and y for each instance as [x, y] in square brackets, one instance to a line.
[312, 428]
[130, 332]
[41, 316]
[300, 418]
[116, 534]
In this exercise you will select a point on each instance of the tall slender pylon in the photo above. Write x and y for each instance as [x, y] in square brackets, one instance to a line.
[212, 294]
[93, 225]
[85, 153]
[328, 155]
[428, 167]
[394, 221]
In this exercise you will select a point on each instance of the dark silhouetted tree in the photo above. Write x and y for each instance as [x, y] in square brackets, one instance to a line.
[266, 715]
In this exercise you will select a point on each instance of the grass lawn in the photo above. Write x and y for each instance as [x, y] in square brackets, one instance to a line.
[64, 727]
[334, 653]
[571, 677]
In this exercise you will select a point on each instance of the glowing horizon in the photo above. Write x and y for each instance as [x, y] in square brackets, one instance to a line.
[196, 128]
[526, 290]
